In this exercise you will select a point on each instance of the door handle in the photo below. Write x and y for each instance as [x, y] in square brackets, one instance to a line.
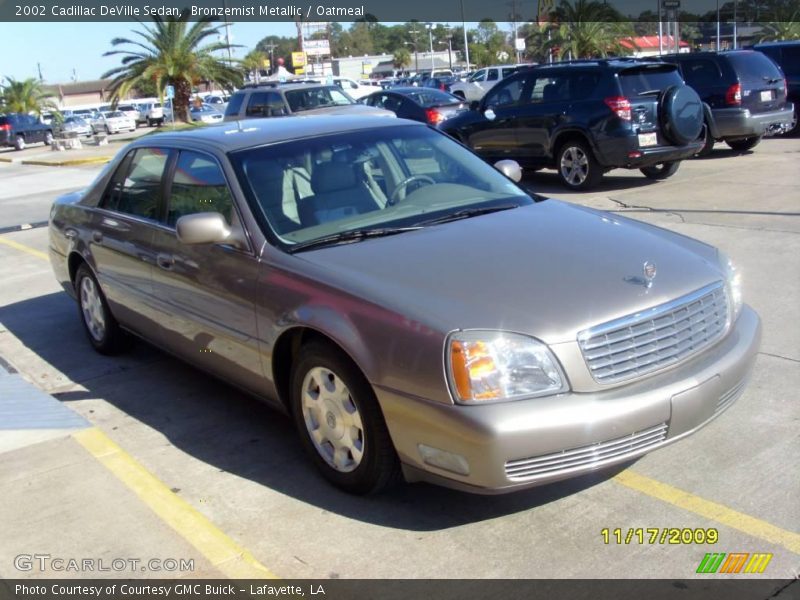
[165, 261]
[97, 236]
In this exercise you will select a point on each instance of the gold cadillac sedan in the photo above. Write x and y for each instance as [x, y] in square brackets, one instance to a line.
[415, 311]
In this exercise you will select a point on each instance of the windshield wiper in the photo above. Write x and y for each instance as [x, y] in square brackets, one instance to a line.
[354, 235]
[466, 214]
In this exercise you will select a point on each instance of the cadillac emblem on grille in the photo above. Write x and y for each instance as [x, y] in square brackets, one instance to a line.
[649, 270]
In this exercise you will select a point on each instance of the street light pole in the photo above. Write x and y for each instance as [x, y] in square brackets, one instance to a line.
[464, 27]
[430, 39]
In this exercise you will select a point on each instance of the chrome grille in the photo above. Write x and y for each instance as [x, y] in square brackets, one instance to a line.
[654, 338]
[587, 456]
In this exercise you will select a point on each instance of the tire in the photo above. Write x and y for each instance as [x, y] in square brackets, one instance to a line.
[795, 128]
[708, 143]
[19, 143]
[99, 324]
[149, 122]
[577, 167]
[48, 138]
[745, 144]
[108, 130]
[680, 113]
[365, 460]
[661, 170]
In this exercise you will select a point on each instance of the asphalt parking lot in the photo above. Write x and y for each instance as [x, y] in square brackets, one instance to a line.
[238, 468]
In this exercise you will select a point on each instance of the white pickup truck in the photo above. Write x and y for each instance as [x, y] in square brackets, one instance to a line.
[151, 113]
[482, 80]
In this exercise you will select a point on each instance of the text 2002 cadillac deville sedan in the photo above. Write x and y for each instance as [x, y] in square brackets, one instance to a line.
[411, 307]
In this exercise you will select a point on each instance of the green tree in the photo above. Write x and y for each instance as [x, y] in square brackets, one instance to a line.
[402, 58]
[589, 29]
[172, 53]
[253, 62]
[276, 46]
[780, 31]
[26, 96]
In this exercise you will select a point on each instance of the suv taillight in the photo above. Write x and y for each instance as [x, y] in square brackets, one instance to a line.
[620, 105]
[433, 116]
[5, 127]
[733, 97]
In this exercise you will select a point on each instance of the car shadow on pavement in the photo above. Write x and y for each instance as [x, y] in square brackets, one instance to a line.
[549, 184]
[232, 432]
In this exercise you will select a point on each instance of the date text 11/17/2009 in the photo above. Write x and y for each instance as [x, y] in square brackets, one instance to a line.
[659, 535]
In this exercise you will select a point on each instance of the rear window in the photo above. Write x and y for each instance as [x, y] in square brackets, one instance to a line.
[432, 98]
[638, 80]
[753, 66]
[235, 105]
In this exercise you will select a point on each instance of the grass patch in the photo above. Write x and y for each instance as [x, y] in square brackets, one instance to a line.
[166, 128]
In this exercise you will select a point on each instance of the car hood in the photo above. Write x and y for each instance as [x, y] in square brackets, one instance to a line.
[549, 270]
[348, 109]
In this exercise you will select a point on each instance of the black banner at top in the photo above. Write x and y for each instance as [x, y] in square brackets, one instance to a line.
[393, 11]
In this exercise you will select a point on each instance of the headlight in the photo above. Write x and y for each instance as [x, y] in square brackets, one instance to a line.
[487, 366]
[734, 282]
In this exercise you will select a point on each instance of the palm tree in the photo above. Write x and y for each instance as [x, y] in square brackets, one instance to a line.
[27, 96]
[401, 59]
[253, 62]
[781, 31]
[589, 29]
[172, 54]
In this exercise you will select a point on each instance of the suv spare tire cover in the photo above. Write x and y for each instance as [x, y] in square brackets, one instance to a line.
[681, 114]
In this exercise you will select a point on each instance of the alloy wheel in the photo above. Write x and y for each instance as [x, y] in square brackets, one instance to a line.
[574, 166]
[92, 309]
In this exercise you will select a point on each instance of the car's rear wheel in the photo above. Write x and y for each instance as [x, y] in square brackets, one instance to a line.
[661, 170]
[339, 421]
[108, 130]
[577, 167]
[99, 324]
[19, 143]
[744, 144]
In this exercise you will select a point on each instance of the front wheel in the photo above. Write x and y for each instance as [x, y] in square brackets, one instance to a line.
[745, 144]
[340, 423]
[661, 170]
[577, 166]
[99, 324]
[108, 130]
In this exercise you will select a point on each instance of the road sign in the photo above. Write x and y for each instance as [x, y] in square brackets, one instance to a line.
[667, 4]
[170, 92]
[298, 59]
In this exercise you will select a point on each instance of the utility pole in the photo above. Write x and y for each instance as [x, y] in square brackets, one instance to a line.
[464, 27]
[430, 39]
[661, 30]
[735, 44]
[717, 25]
[39, 67]
[416, 55]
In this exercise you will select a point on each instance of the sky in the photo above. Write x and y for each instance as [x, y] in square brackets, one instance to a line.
[61, 47]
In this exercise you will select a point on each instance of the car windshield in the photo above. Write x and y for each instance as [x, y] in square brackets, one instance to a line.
[115, 114]
[316, 97]
[384, 177]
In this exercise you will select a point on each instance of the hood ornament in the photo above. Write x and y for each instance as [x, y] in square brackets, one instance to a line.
[646, 278]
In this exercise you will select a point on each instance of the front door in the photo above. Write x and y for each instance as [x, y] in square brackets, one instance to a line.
[206, 293]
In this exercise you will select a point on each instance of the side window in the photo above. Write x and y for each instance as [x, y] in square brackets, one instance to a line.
[235, 105]
[479, 75]
[198, 186]
[110, 199]
[506, 93]
[138, 192]
[265, 104]
[700, 72]
[492, 75]
[555, 88]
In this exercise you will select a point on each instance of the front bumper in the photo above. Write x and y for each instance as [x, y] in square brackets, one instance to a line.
[514, 445]
[740, 122]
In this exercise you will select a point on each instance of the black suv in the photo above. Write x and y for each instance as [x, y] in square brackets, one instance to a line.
[584, 118]
[787, 55]
[18, 130]
[744, 96]
[274, 99]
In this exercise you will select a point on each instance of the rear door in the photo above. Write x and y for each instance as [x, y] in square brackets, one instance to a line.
[642, 86]
[761, 81]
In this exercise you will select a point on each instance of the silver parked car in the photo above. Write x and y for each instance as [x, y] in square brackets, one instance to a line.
[411, 307]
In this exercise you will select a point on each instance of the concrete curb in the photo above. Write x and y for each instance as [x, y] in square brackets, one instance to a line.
[93, 160]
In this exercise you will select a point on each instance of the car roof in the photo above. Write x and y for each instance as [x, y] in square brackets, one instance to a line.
[283, 86]
[247, 133]
[778, 43]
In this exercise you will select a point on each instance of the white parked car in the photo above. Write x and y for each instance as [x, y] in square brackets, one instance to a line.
[205, 114]
[353, 88]
[113, 122]
[151, 113]
[482, 80]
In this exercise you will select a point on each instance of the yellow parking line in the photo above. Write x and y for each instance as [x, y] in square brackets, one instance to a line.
[710, 510]
[24, 248]
[226, 555]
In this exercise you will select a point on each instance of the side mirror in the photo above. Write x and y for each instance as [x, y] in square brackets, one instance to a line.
[509, 168]
[475, 105]
[204, 228]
